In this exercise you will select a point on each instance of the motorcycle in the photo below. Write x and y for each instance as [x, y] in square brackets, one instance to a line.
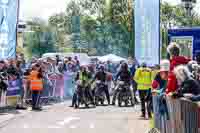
[99, 94]
[124, 94]
[82, 95]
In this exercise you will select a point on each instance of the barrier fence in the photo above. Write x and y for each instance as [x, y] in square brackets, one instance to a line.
[181, 116]
[56, 87]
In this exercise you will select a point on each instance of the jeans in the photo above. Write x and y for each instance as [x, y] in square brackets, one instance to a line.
[35, 99]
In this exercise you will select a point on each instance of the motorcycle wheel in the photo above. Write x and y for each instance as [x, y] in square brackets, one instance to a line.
[86, 105]
[119, 102]
[126, 103]
[132, 104]
[102, 101]
[96, 102]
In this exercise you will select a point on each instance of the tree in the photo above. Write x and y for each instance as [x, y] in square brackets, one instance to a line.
[40, 39]
[172, 16]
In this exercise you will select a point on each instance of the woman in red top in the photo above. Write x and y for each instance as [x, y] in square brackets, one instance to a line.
[175, 60]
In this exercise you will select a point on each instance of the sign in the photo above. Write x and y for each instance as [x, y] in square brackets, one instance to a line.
[13, 88]
[8, 25]
[147, 31]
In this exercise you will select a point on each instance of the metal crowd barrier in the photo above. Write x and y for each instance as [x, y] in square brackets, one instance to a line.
[184, 116]
[55, 89]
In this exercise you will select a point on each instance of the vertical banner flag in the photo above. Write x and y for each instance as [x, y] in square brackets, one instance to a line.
[147, 31]
[8, 25]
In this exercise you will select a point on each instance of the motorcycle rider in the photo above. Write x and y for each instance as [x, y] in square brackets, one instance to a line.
[125, 76]
[102, 76]
[84, 76]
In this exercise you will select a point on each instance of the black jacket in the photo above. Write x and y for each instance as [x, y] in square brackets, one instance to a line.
[100, 76]
[189, 86]
[124, 76]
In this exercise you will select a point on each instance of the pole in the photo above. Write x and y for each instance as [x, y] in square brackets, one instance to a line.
[18, 11]
[160, 33]
[131, 50]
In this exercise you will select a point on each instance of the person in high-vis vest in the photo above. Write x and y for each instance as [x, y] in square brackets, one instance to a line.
[36, 86]
[143, 78]
[84, 77]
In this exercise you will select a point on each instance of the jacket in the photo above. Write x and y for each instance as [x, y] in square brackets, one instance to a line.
[36, 83]
[124, 76]
[84, 77]
[159, 83]
[172, 85]
[143, 78]
[189, 86]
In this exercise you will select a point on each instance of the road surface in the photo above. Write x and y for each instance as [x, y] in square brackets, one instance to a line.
[60, 118]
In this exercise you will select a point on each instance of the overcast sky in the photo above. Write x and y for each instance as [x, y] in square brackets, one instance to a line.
[45, 8]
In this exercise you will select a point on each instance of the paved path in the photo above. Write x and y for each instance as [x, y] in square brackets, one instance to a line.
[60, 118]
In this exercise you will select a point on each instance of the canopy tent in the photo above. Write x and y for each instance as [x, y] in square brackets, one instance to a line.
[112, 58]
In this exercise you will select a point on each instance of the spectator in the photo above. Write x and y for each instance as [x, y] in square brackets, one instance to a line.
[57, 59]
[186, 82]
[132, 68]
[3, 84]
[19, 75]
[174, 51]
[197, 57]
[160, 80]
[77, 64]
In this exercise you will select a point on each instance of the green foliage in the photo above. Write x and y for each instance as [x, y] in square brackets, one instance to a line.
[107, 26]
[40, 39]
[175, 16]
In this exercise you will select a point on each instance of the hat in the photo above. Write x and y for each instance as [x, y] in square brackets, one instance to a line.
[164, 66]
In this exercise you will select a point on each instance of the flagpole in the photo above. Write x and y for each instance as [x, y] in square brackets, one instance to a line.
[18, 11]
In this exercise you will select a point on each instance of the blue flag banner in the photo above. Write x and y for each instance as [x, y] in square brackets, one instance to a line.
[147, 31]
[8, 25]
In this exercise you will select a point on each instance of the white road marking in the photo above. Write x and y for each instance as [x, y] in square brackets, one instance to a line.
[26, 126]
[72, 127]
[53, 127]
[67, 120]
[92, 126]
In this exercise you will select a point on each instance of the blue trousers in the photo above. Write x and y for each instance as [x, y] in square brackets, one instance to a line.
[35, 99]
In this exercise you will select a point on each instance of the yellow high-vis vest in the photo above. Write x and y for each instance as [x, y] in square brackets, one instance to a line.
[143, 78]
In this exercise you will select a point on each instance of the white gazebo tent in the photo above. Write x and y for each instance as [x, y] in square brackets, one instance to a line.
[111, 57]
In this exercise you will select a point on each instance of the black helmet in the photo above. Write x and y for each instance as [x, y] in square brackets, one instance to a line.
[124, 66]
[102, 68]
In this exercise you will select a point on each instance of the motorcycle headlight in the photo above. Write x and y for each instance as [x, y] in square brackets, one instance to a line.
[121, 82]
[98, 82]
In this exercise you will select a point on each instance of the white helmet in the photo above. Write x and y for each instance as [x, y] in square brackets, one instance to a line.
[164, 65]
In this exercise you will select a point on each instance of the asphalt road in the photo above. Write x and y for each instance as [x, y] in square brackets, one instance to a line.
[60, 118]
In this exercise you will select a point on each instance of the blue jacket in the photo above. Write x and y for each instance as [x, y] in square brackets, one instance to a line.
[132, 70]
